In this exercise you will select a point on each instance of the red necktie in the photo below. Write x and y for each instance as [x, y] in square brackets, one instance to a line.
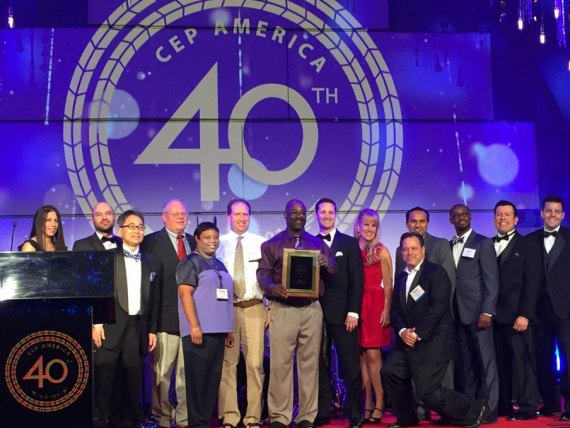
[181, 251]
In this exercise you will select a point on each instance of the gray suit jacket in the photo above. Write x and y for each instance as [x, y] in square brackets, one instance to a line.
[477, 279]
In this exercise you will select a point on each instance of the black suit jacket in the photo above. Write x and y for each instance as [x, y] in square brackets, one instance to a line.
[520, 276]
[430, 315]
[149, 308]
[159, 246]
[556, 269]
[92, 243]
[343, 291]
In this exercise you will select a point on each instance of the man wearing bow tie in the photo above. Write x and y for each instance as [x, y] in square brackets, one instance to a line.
[553, 310]
[168, 247]
[520, 272]
[120, 347]
[476, 290]
[341, 302]
[103, 219]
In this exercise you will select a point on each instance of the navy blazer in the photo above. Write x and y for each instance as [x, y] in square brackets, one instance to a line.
[477, 279]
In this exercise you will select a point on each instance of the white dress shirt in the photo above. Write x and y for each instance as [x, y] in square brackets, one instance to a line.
[251, 244]
[549, 242]
[134, 274]
[458, 248]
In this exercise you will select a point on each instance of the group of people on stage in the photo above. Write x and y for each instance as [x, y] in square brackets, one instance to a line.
[476, 318]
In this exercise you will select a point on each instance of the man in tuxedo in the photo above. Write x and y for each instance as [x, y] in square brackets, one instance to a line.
[553, 309]
[341, 303]
[168, 247]
[120, 347]
[438, 252]
[476, 290]
[240, 251]
[519, 280]
[421, 316]
[103, 219]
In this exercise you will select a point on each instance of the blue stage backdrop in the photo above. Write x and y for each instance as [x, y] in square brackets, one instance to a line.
[267, 100]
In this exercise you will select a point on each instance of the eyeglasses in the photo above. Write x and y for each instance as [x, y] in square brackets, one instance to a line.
[132, 226]
[178, 214]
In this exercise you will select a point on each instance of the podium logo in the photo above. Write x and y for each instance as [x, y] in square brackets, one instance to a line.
[47, 371]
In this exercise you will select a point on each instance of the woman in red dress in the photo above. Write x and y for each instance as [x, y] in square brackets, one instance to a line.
[375, 330]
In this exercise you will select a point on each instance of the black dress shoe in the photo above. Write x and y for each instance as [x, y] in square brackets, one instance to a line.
[305, 424]
[320, 421]
[276, 425]
[522, 416]
[355, 423]
[479, 419]
[545, 411]
[443, 421]
[565, 416]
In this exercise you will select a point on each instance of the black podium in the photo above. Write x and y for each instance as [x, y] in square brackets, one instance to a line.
[48, 303]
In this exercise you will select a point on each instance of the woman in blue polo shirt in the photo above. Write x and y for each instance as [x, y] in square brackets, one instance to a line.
[205, 313]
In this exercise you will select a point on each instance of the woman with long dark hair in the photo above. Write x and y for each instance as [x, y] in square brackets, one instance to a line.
[47, 231]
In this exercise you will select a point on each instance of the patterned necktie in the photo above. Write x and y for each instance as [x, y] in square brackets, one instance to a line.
[181, 250]
[457, 240]
[298, 245]
[239, 271]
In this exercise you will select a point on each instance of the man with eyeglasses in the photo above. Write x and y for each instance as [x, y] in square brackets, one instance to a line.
[296, 322]
[120, 347]
[476, 291]
[168, 247]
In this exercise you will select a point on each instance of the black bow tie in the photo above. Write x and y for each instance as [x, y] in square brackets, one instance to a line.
[547, 234]
[457, 240]
[326, 237]
[111, 239]
[501, 238]
[136, 257]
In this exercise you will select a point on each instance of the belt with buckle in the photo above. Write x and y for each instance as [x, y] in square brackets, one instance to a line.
[248, 303]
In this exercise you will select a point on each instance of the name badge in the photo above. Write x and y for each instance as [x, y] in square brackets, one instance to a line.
[469, 252]
[221, 294]
[417, 293]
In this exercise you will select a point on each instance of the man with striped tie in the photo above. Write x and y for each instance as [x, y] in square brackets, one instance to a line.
[240, 251]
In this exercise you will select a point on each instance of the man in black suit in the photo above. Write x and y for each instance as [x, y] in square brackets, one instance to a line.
[120, 347]
[553, 309]
[341, 302]
[438, 252]
[103, 219]
[476, 290]
[519, 281]
[168, 247]
[421, 317]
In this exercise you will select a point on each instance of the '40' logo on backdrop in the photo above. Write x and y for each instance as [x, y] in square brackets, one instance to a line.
[207, 100]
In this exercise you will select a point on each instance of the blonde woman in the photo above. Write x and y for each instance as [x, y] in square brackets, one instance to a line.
[375, 330]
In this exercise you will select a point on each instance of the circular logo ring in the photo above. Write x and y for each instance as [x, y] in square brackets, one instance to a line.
[74, 390]
[169, 13]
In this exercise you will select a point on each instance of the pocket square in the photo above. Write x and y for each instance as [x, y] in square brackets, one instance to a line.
[152, 276]
[339, 254]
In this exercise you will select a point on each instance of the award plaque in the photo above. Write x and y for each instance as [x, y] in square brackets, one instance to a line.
[301, 273]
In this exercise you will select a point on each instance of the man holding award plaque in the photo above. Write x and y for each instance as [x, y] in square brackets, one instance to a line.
[292, 265]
